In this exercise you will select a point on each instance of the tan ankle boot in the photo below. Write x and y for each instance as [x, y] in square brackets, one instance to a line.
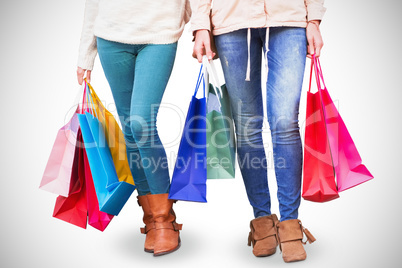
[263, 235]
[290, 234]
[167, 237]
[149, 229]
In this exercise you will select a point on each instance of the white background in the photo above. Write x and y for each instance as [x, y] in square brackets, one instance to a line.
[361, 61]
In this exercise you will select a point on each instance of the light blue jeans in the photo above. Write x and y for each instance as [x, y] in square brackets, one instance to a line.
[286, 64]
[138, 75]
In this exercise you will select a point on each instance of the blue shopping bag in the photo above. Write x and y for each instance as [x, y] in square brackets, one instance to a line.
[190, 171]
[112, 194]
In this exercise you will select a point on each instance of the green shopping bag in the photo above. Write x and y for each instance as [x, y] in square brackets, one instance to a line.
[221, 145]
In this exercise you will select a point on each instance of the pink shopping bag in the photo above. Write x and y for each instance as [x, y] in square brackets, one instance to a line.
[57, 175]
[347, 162]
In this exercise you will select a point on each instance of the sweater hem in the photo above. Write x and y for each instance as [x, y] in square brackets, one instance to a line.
[232, 28]
[143, 40]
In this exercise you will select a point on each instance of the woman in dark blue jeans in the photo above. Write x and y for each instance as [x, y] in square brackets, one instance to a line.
[242, 45]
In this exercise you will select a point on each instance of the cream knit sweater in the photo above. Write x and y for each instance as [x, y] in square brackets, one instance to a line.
[131, 22]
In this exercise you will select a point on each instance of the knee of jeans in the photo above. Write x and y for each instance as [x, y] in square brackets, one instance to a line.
[249, 137]
[128, 136]
[285, 131]
[249, 133]
[131, 145]
[144, 133]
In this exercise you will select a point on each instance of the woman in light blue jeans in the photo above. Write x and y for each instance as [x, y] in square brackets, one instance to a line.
[136, 42]
[138, 75]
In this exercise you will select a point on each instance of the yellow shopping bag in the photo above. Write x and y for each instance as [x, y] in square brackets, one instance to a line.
[114, 137]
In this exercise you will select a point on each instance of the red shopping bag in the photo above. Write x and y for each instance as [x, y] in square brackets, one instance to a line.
[348, 165]
[82, 204]
[73, 209]
[318, 170]
[97, 219]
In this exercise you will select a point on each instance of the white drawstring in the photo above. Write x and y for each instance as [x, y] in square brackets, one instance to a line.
[248, 52]
[266, 51]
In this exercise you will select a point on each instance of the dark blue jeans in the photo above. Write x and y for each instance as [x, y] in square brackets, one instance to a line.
[138, 75]
[286, 64]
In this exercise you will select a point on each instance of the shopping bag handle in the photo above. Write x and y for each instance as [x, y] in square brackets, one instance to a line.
[76, 106]
[210, 67]
[315, 64]
[199, 80]
[316, 68]
[84, 96]
[319, 70]
[90, 102]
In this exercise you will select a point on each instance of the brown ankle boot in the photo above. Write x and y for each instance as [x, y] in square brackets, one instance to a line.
[149, 228]
[290, 234]
[263, 235]
[167, 237]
